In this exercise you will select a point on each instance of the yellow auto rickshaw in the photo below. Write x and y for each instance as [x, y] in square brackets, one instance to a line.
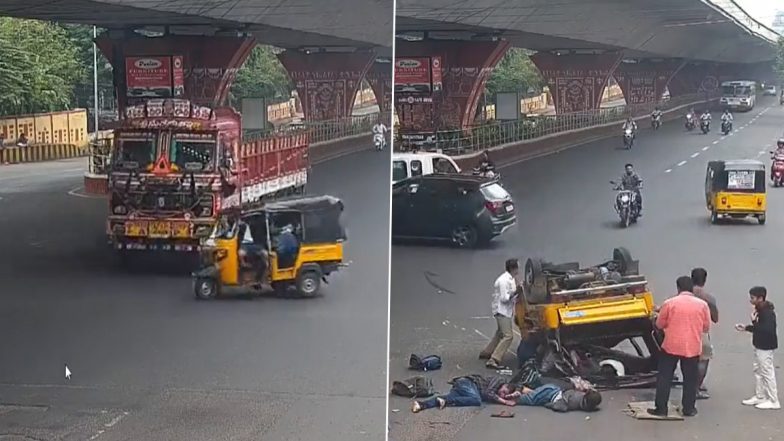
[246, 254]
[736, 189]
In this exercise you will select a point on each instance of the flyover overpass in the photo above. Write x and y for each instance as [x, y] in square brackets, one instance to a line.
[686, 46]
[331, 44]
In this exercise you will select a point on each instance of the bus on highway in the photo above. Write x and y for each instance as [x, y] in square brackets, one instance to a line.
[738, 95]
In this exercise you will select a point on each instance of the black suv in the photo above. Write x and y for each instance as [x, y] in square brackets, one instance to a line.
[467, 210]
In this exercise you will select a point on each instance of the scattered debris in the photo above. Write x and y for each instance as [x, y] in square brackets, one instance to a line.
[639, 410]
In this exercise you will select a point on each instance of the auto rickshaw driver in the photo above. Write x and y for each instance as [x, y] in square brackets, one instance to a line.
[251, 254]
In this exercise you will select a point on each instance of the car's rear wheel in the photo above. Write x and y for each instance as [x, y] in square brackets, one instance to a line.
[465, 236]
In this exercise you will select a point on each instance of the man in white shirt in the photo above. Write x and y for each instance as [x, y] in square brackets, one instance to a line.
[505, 292]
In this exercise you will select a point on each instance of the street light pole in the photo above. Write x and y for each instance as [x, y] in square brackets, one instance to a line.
[95, 78]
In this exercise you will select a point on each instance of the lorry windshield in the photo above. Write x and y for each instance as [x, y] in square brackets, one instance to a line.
[736, 91]
[193, 154]
[136, 152]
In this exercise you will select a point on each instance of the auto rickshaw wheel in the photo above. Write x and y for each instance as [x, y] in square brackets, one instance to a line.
[761, 219]
[714, 217]
[624, 259]
[535, 282]
[309, 280]
[205, 288]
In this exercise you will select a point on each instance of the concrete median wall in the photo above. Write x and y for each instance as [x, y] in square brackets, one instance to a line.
[56, 128]
[557, 142]
[41, 152]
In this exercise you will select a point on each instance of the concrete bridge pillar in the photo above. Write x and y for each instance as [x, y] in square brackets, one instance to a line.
[198, 68]
[691, 78]
[644, 81]
[576, 81]
[379, 76]
[461, 71]
[327, 82]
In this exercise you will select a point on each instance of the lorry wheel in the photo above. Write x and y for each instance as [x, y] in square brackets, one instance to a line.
[205, 288]
[309, 281]
[535, 282]
[624, 259]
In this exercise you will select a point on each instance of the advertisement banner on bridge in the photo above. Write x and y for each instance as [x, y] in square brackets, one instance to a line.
[149, 76]
[413, 75]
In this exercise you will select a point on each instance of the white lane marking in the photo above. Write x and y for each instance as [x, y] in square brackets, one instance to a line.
[96, 435]
[694, 155]
[705, 148]
[714, 143]
[116, 420]
[762, 152]
[76, 192]
[668, 170]
[681, 163]
[481, 317]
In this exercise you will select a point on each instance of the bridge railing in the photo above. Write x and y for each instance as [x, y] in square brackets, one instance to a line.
[325, 131]
[496, 133]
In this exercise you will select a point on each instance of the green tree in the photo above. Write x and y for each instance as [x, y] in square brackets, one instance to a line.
[81, 37]
[38, 67]
[262, 76]
[515, 72]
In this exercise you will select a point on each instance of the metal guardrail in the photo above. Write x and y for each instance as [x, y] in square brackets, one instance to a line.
[324, 131]
[495, 133]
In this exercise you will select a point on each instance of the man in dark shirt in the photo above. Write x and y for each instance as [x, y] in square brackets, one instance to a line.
[765, 341]
[471, 390]
[554, 398]
[699, 276]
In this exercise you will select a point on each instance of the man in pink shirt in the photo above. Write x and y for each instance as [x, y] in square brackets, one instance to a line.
[683, 318]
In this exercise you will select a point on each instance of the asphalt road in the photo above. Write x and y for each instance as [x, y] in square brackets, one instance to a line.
[150, 362]
[565, 206]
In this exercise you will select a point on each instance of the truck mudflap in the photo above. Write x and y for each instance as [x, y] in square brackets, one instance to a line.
[208, 272]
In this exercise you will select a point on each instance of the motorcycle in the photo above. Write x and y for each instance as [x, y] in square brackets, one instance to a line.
[626, 205]
[726, 127]
[777, 170]
[486, 173]
[705, 126]
[379, 141]
[628, 138]
[655, 121]
[689, 122]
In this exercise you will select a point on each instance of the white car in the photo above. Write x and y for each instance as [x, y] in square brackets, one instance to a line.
[770, 90]
[407, 165]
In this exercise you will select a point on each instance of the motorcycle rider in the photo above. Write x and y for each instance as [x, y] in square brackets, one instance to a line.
[381, 129]
[486, 165]
[706, 116]
[630, 124]
[631, 181]
[657, 113]
[726, 116]
[778, 153]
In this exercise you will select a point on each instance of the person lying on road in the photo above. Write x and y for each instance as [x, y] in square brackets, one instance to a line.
[553, 398]
[471, 390]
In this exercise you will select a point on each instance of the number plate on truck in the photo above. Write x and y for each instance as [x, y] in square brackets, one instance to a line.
[160, 229]
[136, 229]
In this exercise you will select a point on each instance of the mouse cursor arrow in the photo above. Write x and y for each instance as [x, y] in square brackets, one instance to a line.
[67, 373]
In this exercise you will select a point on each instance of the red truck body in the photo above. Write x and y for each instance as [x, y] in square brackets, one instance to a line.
[177, 166]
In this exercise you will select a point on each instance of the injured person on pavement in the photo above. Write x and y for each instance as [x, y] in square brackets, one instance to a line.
[557, 399]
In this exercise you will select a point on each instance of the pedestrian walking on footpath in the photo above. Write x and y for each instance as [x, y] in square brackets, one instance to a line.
[505, 293]
[699, 276]
[684, 319]
[765, 342]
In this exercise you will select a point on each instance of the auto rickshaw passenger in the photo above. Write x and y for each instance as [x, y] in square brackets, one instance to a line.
[288, 247]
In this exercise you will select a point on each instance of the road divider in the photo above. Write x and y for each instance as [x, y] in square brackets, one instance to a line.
[40, 152]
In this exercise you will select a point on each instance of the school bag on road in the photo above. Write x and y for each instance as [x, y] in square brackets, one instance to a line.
[428, 363]
[414, 387]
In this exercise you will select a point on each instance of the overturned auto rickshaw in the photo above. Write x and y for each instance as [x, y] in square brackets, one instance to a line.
[588, 313]
[242, 254]
[736, 189]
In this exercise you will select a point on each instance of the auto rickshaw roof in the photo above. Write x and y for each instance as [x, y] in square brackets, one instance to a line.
[744, 164]
[301, 204]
